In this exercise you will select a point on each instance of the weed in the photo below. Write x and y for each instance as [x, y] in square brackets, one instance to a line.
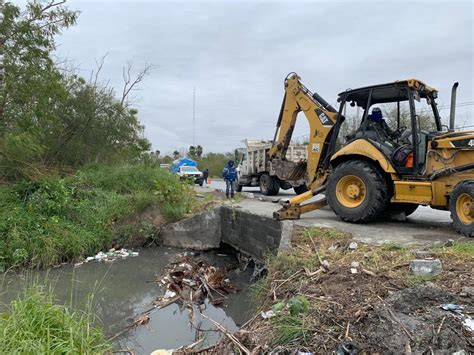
[460, 248]
[291, 262]
[289, 330]
[324, 233]
[259, 290]
[35, 325]
[391, 246]
[298, 304]
[59, 219]
[420, 279]
[176, 198]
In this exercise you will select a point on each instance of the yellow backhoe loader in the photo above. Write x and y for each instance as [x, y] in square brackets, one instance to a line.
[377, 170]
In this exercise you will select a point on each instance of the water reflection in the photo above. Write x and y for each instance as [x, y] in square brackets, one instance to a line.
[121, 291]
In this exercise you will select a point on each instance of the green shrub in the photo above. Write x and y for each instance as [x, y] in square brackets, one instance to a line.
[176, 198]
[56, 219]
[125, 179]
[35, 325]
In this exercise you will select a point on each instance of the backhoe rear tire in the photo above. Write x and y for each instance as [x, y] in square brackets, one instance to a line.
[461, 206]
[269, 185]
[357, 191]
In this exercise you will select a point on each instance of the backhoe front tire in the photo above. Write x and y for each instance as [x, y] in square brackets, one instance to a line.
[269, 185]
[357, 191]
[461, 208]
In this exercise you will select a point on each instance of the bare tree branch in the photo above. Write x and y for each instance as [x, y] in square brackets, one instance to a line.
[129, 83]
[95, 74]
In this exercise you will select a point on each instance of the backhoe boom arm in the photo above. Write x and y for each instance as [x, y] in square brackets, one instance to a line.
[321, 117]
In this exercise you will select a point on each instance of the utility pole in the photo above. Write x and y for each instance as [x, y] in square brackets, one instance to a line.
[194, 115]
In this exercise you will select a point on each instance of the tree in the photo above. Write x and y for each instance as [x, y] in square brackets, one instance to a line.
[52, 118]
[175, 154]
[192, 152]
[199, 151]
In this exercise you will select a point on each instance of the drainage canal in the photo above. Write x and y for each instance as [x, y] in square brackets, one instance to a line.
[124, 289]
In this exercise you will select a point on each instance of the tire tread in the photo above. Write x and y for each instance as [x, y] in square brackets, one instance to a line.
[376, 207]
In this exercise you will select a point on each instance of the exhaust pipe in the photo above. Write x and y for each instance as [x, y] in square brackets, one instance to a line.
[452, 113]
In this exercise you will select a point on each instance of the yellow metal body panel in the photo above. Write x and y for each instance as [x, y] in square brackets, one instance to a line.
[412, 191]
[364, 148]
[445, 141]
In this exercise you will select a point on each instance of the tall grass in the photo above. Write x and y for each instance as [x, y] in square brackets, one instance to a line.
[35, 325]
[290, 330]
[56, 220]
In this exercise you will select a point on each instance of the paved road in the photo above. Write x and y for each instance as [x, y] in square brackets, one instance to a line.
[220, 185]
[425, 226]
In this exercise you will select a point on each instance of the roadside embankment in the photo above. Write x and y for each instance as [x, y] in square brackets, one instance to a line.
[330, 293]
[61, 219]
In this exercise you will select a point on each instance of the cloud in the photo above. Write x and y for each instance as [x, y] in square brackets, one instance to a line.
[236, 54]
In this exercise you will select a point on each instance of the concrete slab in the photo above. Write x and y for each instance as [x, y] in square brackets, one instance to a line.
[425, 227]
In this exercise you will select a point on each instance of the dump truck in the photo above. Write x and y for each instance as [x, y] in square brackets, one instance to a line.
[377, 170]
[256, 169]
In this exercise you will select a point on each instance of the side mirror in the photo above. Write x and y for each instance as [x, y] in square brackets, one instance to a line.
[444, 126]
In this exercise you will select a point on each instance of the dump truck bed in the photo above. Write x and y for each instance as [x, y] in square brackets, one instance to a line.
[257, 149]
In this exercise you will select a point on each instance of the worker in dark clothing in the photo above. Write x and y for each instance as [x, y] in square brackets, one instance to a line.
[205, 175]
[377, 123]
[230, 177]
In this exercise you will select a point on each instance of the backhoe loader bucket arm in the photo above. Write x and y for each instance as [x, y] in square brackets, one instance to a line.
[322, 118]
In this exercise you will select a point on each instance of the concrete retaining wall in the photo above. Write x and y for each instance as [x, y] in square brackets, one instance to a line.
[251, 233]
[200, 232]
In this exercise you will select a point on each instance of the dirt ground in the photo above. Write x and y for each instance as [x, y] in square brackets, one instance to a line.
[378, 307]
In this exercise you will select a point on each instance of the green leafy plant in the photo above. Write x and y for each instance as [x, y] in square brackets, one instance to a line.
[298, 304]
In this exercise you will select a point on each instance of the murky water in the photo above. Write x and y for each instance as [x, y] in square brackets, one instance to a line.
[121, 292]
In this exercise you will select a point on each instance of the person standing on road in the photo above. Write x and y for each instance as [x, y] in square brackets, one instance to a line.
[230, 176]
[205, 175]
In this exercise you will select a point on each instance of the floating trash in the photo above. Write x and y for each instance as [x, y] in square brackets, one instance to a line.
[111, 256]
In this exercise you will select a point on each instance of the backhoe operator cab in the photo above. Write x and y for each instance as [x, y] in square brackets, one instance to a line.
[405, 146]
[398, 157]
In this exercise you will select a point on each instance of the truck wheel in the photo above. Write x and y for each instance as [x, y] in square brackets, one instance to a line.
[285, 185]
[269, 186]
[461, 206]
[357, 191]
[238, 187]
[395, 208]
[300, 189]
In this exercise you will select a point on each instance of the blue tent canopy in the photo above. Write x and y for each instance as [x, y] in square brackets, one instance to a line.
[180, 162]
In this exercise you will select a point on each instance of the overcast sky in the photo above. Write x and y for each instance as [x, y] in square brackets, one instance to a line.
[236, 54]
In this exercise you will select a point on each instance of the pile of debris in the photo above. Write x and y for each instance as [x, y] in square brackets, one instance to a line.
[330, 294]
[193, 281]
